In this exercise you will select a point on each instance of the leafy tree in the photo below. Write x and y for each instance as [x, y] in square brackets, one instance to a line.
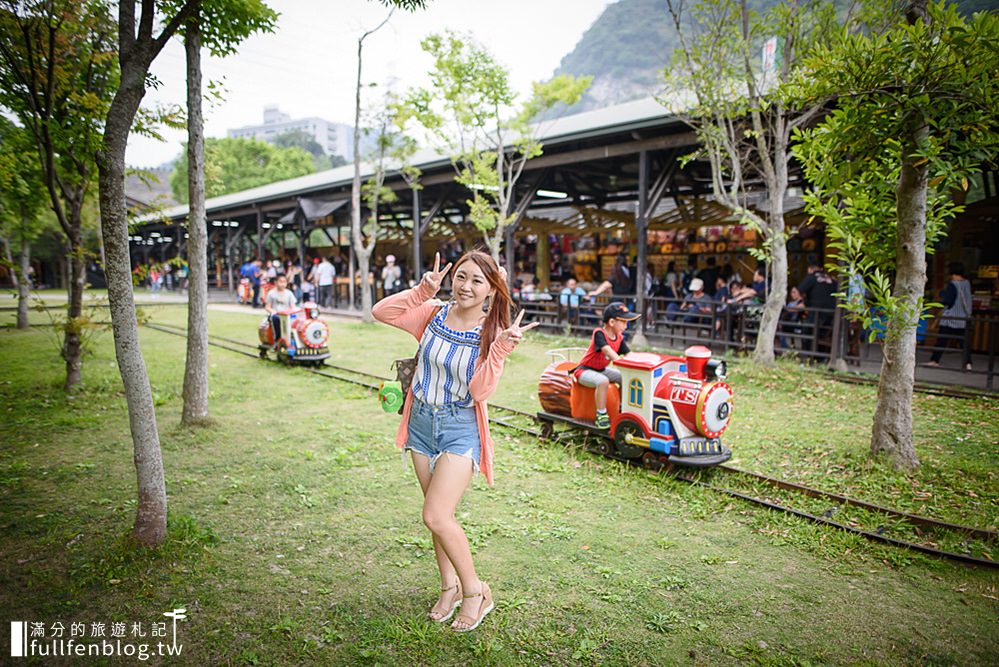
[139, 44]
[220, 25]
[235, 164]
[392, 150]
[301, 139]
[466, 109]
[57, 73]
[408, 5]
[22, 202]
[363, 248]
[741, 113]
[915, 117]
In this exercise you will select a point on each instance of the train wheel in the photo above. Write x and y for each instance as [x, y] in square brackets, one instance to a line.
[650, 461]
[625, 428]
[547, 430]
[665, 465]
[605, 447]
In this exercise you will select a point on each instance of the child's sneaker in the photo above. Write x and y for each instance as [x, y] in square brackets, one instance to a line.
[603, 421]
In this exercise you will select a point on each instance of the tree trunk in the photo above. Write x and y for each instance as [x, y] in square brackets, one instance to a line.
[363, 264]
[72, 344]
[150, 515]
[892, 430]
[23, 285]
[764, 352]
[196, 367]
[777, 271]
[19, 276]
[362, 253]
[355, 197]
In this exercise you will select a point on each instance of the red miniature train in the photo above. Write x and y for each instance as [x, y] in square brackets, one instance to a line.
[304, 336]
[244, 291]
[668, 411]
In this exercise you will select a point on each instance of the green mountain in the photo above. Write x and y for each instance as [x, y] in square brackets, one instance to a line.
[624, 50]
[627, 47]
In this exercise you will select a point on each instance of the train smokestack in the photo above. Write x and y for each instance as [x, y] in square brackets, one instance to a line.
[697, 358]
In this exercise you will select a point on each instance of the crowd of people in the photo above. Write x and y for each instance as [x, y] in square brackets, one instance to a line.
[315, 280]
[170, 275]
[710, 298]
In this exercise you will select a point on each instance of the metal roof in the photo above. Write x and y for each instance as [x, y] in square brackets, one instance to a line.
[646, 112]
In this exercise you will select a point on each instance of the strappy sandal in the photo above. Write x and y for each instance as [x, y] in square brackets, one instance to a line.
[451, 612]
[484, 588]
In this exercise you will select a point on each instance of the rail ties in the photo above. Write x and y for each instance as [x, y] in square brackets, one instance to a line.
[876, 535]
[846, 500]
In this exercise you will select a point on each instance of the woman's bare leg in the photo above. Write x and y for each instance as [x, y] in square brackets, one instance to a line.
[451, 477]
[449, 577]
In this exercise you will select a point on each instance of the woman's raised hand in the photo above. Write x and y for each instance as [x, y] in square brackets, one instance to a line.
[434, 278]
[516, 332]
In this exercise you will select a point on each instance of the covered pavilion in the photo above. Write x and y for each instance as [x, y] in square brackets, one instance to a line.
[610, 171]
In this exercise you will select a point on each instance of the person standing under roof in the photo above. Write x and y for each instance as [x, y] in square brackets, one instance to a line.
[956, 298]
[323, 274]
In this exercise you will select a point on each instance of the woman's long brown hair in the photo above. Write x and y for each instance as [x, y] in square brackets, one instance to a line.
[498, 317]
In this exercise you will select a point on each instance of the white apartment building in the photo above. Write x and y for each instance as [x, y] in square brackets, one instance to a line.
[335, 138]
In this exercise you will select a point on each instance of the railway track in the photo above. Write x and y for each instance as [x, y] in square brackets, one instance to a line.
[889, 517]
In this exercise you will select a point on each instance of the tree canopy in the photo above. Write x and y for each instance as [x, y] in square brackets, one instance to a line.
[235, 164]
[913, 118]
[938, 76]
[472, 113]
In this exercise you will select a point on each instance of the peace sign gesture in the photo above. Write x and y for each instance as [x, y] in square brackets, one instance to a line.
[516, 332]
[434, 278]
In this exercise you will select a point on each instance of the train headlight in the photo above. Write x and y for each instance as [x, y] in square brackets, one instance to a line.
[716, 368]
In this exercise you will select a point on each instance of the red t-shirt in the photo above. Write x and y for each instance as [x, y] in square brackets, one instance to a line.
[595, 359]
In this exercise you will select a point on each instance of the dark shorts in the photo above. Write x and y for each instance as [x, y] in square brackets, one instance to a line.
[434, 430]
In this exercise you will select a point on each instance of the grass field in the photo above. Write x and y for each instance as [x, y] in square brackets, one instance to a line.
[295, 534]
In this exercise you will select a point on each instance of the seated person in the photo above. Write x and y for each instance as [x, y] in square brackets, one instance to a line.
[722, 294]
[755, 293]
[606, 345]
[723, 297]
[528, 290]
[697, 307]
[278, 299]
[794, 313]
[569, 297]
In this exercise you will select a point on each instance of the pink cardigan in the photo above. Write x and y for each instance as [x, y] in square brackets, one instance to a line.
[409, 310]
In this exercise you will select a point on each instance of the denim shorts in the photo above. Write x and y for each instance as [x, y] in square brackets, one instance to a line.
[434, 430]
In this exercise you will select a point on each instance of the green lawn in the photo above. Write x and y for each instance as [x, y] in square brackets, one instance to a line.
[296, 536]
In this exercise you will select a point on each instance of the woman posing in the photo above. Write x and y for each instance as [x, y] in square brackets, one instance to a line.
[463, 344]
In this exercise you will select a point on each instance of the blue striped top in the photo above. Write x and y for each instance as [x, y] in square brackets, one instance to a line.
[445, 364]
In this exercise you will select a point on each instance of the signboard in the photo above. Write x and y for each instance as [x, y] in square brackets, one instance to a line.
[770, 56]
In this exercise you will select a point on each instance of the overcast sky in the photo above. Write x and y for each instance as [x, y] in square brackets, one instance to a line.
[308, 65]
